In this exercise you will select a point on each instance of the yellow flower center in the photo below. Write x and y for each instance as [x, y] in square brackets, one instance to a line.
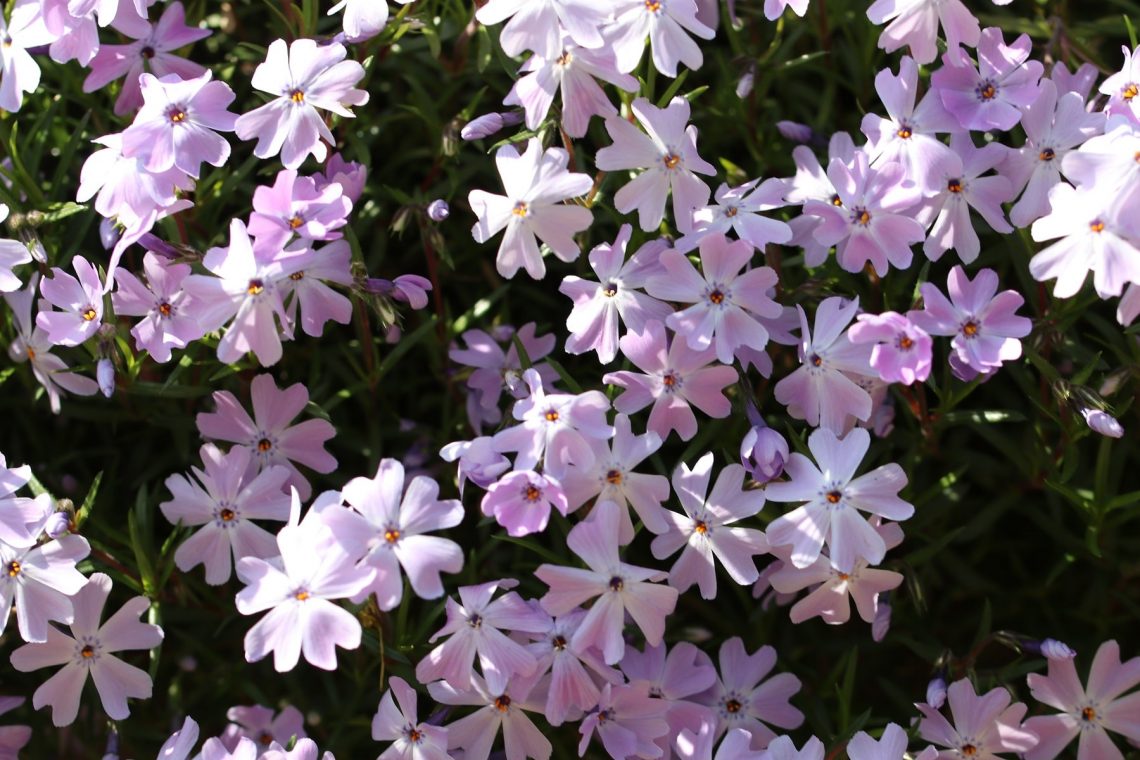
[1130, 91]
[970, 329]
[671, 160]
[391, 535]
[301, 596]
[613, 477]
[1047, 155]
[716, 297]
[905, 133]
[165, 309]
[88, 314]
[297, 96]
[520, 209]
[954, 185]
[833, 497]
[255, 287]
[1096, 225]
[13, 569]
[502, 703]
[88, 652]
[264, 445]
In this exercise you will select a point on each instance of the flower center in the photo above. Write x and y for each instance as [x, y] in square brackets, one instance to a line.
[833, 497]
[520, 209]
[297, 96]
[861, 216]
[227, 515]
[297, 276]
[565, 59]
[905, 343]
[255, 287]
[264, 445]
[731, 211]
[265, 738]
[532, 493]
[87, 652]
[671, 160]
[733, 706]
[843, 576]
[147, 52]
[610, 290]
[954, 185]
[986, 91]
[559, 643]
[165, 309]
[969, 750]
[88, 314]
[1088, 714]
[816, 360]
[1096, 225]
[13, 569]
[475, 621]
[392, 535]
[604, 715]
[1047, 155]
[413, 735]
[616, 583]
[836, 200]
[1130, 91]
[301, 595]
[701, 527]
[970, 329]
[502, 703]
[613, 477]
[905, 132]
[717, 297]
[176, 114]
[653, 6]
[551, 415]
[295, 221]
[669, 380]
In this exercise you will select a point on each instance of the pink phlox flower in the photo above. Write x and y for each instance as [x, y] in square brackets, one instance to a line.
[75, 35]
[667, 25]
[699, 745]
[302, 77]
[990, 97]
[811, 182]
[363, 19]
[834, 589]
[672, 377]
[543, 25]
[80, 303]
[611, 477]
[1107, 162]
[496, 369]
[350, 175]
[726, 304]
[214, 749]
[310, 275]
[38, 580]
[705, 528]
[503, 703]
[224, 500]
[871, 223]
[627, 720]
[907, 136]
[397, 721]
[475, 629]
[262, 725]
[268, 437]
[824, 390]
[891, 746]
[986, 331]
[620, 587]
[89, 651]
[675, 675]
[614, 299]
[763, 451]
[1094, 232]
[152, 49]
[297, 206]
[20, 517]
[915, 23]
[1080, 81]
[181, 743]
[32, 345]
[555, 428]
[478, 461]
[961, 188]
[985, 727]
[386, 528]
[304, 749]
[738, 210]
[902, 352]
[536, 183]
[1123, 87]
[773, 9]
[573, 70]
[834, 499]
[19, 72]
[107, 11]
[1055, 123]
[570, 688]
[175, 127]
[161, 302]
[1088, 712]
[744, 697]
[666, 151]
[13, 253]
[782, 748]
[1129, 307]
[521, 501]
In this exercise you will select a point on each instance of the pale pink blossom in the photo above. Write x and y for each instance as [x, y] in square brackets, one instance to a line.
[502, 704]
[80, 303]
[397, 721]
[667, 25]
[570, 687]
[627, 720]
[902, 352]
[19, 72]
[1123, 87]
[738, 209]
[161, 302]
[38, 580]
[521, 501]
[915, 23]
[985, 727]
[542, 25]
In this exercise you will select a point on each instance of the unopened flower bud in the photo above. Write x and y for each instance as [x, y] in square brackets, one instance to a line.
[744, 84]
[936, 692]
[882, 622]
[438, 210]
[105, 375]
[57, 524]
[794, 131]
[1102, 422]
[488, 124]
[108, 233]
[1050, 649]
[158, 246]
[764, 452]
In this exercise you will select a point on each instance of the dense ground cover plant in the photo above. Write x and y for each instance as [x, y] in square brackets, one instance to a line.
[392, 381]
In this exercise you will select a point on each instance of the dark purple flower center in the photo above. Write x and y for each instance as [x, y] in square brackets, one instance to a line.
[986, 91]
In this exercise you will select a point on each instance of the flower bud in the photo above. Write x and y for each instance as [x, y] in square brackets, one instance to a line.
[105, 375]
[482, 126]
[746, 81]
[57, 524]
[1050, 649]
[438, 210]
[882, 622]
[764, 452]
[936, 692]
[796, 132]
[1102, 422]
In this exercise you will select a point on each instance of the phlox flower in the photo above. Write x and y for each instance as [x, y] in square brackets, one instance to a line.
[1123, 87]
[1107, 162]
[1102, 422]
[834, 499]
[181, 743]
[811, 182]
[699, 745]
[89, 651]
[19, 72]
[571, 69]
[363, 19]
[521, 501]
[834, 590]
[990, 97]
[672, 377]
[915, 23]
[961, 187]
[386, 528]
[12, 738]
[982, 321]
[33, 346]
[13, 253]
[1080, 81]
[1094, 232]
[738, 210]
[298, 589]
[473, 628]
[902, 352]
[268, 437]
[19, 516]
[611, 477]
[675, 675]
[302, 77]
[667, 154]
[318, 303]
[704, 528]
[161, 302]
[503, 704]
[763, 451]
[224, 500]
[350, 175]
[782, 748]
[262, 725]
[985, 727]
[570, 687]
[627, 720]
[38, 580]
[743, 696]
[1088, 712]
[75, 35]
[214, 749]
[496, 369]
[80, 303]
[175, 127]
[555, 428]
[397, 721]
[599, 307]
[536, 182]
[542, 25]
[620, 587]
[871, 223]
[152, 49]
[478, 461]
[773, 9]
[824, 390]
[726, 305]
[891, 746]
[294, 205]
[667, 25]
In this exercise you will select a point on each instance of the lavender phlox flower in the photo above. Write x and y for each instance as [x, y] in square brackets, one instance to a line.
[151, 50]
[19, 72]
[915, 23]
[1107, 163]
[521, 501]
[614, 299]
[811, 182]
[478, 461]
[497, 370]
[350, 175]
[936, 691]
[620, 587]
[667, 25]
[482, 127]
[161, 302]
[38, 580]
[80, 303]
[1102, 422]
[397, 721]
[89, 651]
[627, 720]
[834, 498]
[991, 96]
[438, 210]
[536, 183]
[675, 675]
[763, 451]
[667, 152]
[570, 688]
[296, 205]
[363, 19]
[263, 725]
[738, 209]
[1123, 87]
[902, 352]
[13, 253]
[824, 390]
[542, 25]
[503, 703]
[309, 286]
[302, 77]
[984, 727]
[75, 36]
[890, 746]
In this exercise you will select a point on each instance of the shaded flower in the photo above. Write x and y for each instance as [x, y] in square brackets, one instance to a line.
[627, 720]
[902, 352]
[397, 721]
[985, 727]
[915, 23]
[161, 302]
